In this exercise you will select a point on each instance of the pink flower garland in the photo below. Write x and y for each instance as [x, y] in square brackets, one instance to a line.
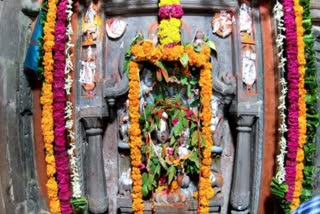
[170, 11]
[59, 103]
[293, 96]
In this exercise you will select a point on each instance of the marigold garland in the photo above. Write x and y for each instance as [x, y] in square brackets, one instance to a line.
[169, 31]
[302, 107]
[206, 191]
[135, 142]
[144, 51]
[302, 115]
[47, 109]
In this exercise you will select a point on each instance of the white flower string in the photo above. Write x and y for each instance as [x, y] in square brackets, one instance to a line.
[75, 177]
[278, 15]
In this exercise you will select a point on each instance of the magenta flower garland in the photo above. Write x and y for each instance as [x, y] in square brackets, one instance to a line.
[293, 96]
[59, 104]
[170, 11]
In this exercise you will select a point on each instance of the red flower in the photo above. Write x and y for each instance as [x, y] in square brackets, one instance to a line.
[175, 121]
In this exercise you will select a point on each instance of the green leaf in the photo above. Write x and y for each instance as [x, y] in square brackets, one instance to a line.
[212, 45]
[171, 172]
[144, 190]
[155, 160]
[197, 49]
[202, 140]
[193, 125]
[183, 80]
[184, 60]
[163, 163]
[177, 129]
[189, 94]
[172, 140]
[157, 170]
[144, 178]
[193, 82]
[80, 204]
[194, 138]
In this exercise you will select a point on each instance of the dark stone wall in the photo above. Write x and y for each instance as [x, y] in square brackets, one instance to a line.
[19, 192]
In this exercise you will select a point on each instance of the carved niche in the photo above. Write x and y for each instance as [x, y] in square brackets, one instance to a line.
[108, 29]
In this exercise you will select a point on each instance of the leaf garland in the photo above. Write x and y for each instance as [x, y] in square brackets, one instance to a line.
[311, 102]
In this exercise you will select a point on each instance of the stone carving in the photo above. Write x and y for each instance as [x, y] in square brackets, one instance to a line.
[125, 183]
[163, 129]
[90, 26]
[123, 113]
[240, 196]
[240, 200]
[146, 87]
[30, 7]
[224, 91]
[88, 72]
[115, 27]
[245, 19]
[249, 73]
[222, 23]
[110, 90]
[95, 182]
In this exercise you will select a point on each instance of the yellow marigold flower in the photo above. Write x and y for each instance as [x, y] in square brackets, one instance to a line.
[168, 2]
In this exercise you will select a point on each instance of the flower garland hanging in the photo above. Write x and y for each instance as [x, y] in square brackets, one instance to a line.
[78, 201]
[302, 113]
[46, 101]
[302, 107]
[278, 15]
[293, 96]
[135, 142]
[278, 187]
[59, 98]
[170, 12]
[141, 53]
[206, 191]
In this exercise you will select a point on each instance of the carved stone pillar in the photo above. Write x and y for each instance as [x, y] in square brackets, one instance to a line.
[95, 182]
[242, 174]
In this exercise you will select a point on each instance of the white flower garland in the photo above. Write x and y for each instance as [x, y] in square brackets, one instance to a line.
[278, 16]
[75, 177]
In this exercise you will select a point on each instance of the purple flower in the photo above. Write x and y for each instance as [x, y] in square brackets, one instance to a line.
[175, 121]
[142, 166]
[171, 11]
